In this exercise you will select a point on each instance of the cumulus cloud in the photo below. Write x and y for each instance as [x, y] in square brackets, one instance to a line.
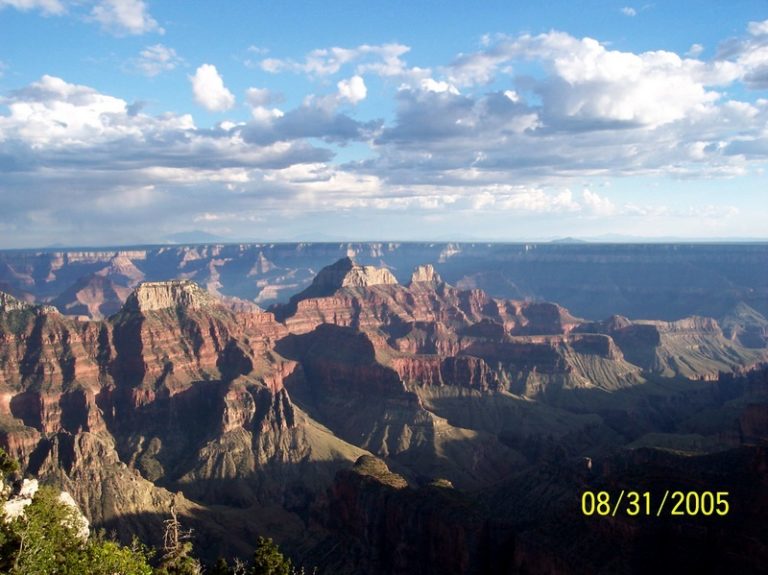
[209, 90]
[46, 6]
[320, 62]
[629, 11]
[259, 99]
[591, 82]
[583, 80]
[54, 113]
[310, 120]
[432, 85]
[125, 17]
[352, 90]
[156, 59]
[82, 153]
[748, 55]
[588, 111]
[475, 136]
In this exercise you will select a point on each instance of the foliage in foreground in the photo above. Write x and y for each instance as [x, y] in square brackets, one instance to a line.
[47, 540]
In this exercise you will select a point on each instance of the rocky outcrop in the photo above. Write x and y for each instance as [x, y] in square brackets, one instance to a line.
[346, 273]
[153, 296]
[425, 274]
[8, 303]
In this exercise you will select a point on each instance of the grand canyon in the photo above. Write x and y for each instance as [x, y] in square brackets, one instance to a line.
[397, 408]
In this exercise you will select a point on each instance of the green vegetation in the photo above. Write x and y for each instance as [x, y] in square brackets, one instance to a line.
[267, 560]
[48, 539]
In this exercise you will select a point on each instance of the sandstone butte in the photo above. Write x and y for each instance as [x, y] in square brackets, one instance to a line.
[220, 408]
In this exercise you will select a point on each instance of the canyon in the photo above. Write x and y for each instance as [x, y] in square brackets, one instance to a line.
[378, 421]
[594, 281]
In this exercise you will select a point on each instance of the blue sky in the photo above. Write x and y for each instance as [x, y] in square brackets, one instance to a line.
[130, 121]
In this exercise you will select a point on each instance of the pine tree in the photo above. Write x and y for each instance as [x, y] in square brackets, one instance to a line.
[268, 560]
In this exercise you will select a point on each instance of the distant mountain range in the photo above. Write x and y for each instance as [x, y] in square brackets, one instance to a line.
[594, 281]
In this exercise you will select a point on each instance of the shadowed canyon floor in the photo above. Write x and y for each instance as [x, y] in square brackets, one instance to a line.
[380, 424]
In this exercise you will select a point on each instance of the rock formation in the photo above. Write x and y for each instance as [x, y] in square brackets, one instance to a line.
[251, 417]
[664, 281]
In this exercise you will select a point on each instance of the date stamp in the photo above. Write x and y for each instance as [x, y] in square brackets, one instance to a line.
[645, 503]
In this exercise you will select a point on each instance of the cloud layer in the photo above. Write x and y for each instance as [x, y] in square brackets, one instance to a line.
[534, 128]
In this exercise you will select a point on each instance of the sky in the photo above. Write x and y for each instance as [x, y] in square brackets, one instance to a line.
[128, 122]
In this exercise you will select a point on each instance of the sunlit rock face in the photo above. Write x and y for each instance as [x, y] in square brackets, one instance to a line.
[183, 398]
[594, 281]
[153, 296]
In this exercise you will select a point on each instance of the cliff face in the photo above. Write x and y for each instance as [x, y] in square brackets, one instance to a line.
[529, 524]
[394, 529]
[693, 347]
[175, 390]
[663, 281]
[223, 407]
[153, 296]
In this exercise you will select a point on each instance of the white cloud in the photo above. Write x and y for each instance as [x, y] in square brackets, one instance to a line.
[629, 11]
[598, 205]
[209, 90]
[352, 90]
[584, 80]
[259, 99]
[156, 59]
[512, 95]
[432, 85]
[84, 154]
[652, 88]
[758, 28]
[537, 200]
[46, 6]
[509, 144]
[63, 125]
[123, 17]
[320, 62]
[52, 112]
[478, 68]
[272, 65]
[264, 115]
